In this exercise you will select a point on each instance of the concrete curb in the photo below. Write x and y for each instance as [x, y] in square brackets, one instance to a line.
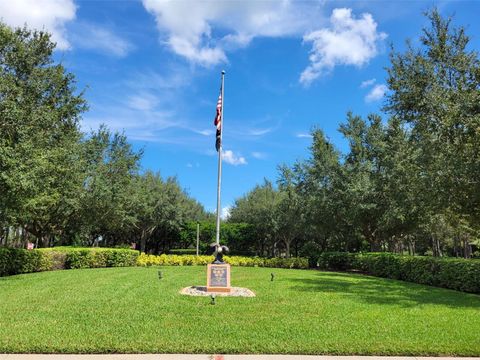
[211, 357]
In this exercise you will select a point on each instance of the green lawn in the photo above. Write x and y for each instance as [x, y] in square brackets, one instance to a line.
[126, 310]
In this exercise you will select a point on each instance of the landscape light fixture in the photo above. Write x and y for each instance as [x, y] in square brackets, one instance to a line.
[272, 276]
[213, 296]
[160, 275]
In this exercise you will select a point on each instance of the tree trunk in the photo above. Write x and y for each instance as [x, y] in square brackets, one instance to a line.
[287, 247]
[467, 248]
[436, 248]
[143, 241]
[5, 238]
[455, 246]
[411, 245]
[375, 245]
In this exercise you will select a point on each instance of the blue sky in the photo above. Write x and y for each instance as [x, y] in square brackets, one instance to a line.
[152, 69]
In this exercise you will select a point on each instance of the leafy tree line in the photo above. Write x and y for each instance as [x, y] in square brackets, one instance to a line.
[61, 186]
[409, 182]
[239, 237]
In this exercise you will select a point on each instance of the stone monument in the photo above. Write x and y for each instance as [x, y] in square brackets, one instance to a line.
[218, 272]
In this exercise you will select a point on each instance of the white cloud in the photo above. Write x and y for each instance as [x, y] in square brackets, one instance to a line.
[187, 27]
[175, 78]
[230, 158]
[93, 37]
[304, 135]
[377, 92]
[49, 15]
[204, 132]
[147, 105]
[348, 41]
[143, 102]
[216, 27]
[225, 214]
[259, 155]
[367, 83]
[138, 125]
[259, 132]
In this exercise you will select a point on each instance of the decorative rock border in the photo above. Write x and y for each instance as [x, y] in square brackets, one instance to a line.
[202, 291]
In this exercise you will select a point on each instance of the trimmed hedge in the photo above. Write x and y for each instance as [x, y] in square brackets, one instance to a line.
[336, 261]
[21, 261]
[84, 259]
[450, 273]
[184, 260]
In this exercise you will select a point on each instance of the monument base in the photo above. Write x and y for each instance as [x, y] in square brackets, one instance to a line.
[218, 278]
[218, 289]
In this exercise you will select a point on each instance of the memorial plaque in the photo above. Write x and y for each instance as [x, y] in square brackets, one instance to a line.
[218, 278]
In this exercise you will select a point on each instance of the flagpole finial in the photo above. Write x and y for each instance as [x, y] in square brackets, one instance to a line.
[223, 72]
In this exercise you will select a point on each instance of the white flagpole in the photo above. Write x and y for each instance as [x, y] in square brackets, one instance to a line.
[219, 182]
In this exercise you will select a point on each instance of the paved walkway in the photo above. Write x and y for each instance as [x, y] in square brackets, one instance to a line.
[212, 357]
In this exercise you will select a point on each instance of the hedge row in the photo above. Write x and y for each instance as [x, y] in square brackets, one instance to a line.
[181, 260]
[450, 273]
[21, 261]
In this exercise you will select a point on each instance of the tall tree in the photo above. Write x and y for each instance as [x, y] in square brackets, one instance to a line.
[39, 115]
[435, 89]
[107, 206]
[363, 174]
[259, 208]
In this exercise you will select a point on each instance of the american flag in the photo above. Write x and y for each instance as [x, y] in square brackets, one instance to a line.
[218, 122]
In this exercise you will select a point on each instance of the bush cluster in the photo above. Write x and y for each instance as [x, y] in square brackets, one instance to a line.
[175, 260]
[21, 261]
[336, 261]
[181, 260]
[97, 258]
[450, 273]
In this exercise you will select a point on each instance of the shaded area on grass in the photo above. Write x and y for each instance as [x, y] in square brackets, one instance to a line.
[373, 290]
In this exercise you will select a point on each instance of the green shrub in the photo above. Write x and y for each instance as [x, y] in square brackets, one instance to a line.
[20, 261]
[336, 261]
[120, 257]
[312, 251]
[173, 260]
[182, 260]
[80, 259]
[458, 274]
[98, 257]
[56, 258]
[7, 262]
[450, 273]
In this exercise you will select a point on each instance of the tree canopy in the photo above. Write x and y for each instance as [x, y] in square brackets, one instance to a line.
[409, 181]
[61, 186]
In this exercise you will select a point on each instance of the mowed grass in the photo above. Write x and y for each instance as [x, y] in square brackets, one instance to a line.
[127, 310]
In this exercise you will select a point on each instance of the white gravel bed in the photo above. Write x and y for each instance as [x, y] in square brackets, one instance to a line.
[202, 291]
